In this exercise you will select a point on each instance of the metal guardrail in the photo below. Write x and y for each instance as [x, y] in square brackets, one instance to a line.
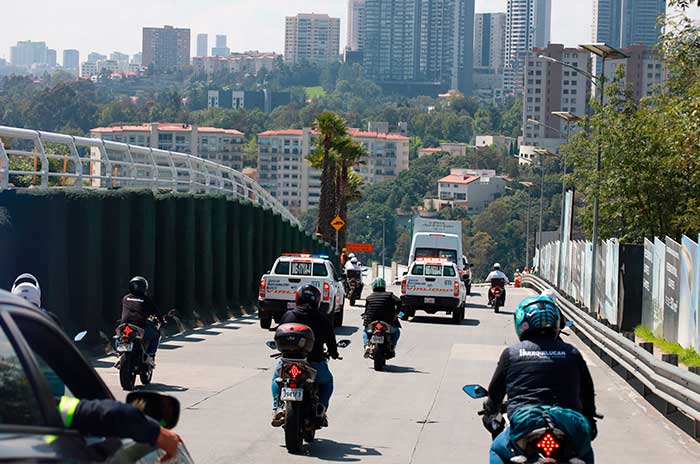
[676, 388]
[95, 163]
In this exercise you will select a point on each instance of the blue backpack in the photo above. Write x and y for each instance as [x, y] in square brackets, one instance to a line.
[529, 418]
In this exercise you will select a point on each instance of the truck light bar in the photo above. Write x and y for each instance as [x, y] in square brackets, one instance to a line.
[305, 255]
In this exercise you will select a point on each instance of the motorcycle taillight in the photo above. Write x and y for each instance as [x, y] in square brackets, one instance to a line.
[294, 371]
[548, 443]
[127, 330]
[378, 326]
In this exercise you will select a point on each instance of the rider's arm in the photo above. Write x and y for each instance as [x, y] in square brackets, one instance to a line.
[497, 387]
[108, 418]
[587, 389]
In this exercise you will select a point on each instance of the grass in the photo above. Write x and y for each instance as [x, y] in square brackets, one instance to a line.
[315, 92]
[687, 356]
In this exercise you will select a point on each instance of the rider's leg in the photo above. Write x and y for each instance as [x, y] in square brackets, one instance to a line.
[324, 379]
[276, 386]
[395, 334]
[500, 452]
[151, 338]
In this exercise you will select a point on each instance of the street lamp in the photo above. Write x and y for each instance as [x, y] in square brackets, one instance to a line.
[603, 51]
[528, 185]
[541, 152]
[383, 242]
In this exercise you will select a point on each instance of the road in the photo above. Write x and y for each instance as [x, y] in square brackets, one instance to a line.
[415, 412]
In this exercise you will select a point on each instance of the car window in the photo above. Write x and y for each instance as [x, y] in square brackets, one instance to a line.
[320, 270]
[417, 270]
[57, 357]
[436, 253]
[18, 404]
[433, 270]
[282, 268]
[301, 268]
[449, 271]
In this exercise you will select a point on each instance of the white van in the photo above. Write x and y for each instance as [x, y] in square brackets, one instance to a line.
[436, 245]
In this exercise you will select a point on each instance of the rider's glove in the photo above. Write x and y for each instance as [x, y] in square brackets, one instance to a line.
[335, 355]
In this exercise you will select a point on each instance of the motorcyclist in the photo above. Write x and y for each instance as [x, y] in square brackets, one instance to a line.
[540, 370]
[497, 276]
[381, 305]
[27, 286]
[109, 418]
[137, 308]
[353, 270]
[308, 302]
[353, 265]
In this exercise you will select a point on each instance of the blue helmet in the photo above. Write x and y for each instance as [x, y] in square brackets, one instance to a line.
[537, 314]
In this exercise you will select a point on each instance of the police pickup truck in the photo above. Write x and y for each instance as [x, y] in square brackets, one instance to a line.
[433, 285]
[291, 271]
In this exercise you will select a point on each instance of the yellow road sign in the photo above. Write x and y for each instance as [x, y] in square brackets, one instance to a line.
[338, 223]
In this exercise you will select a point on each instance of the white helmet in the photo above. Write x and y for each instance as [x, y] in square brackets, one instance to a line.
[353, 260]
[29, 292]
[496, 267]
[26, 278]
[351, 255]
[549, 293]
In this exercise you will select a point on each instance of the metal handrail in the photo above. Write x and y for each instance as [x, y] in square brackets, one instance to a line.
[110, 164]
[674, 385]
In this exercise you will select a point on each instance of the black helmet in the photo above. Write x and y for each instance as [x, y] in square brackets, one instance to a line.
[138, 285]
[308, 297]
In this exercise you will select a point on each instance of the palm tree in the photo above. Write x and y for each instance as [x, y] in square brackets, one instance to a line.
[349, 154]
[331, 131]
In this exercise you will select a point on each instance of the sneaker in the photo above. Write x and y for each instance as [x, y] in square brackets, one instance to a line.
[277, 418]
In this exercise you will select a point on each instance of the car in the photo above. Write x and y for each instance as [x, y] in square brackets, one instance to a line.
[38, 363]
[433, 285]
[292, 270]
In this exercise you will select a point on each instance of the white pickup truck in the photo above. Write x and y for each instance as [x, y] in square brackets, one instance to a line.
[433, 285]
[278, 287]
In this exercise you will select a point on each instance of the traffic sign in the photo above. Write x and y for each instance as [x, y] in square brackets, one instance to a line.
[359, 247]
[338, 223]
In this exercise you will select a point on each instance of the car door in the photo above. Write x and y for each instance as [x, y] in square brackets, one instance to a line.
[30, 427]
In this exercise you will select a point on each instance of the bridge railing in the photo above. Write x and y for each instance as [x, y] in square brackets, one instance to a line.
[96, 163]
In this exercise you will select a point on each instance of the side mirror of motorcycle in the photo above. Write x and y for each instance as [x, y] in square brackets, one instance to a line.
[475, 391]
[569, 323]
[271, 344]
[163, 408]
[80, 336]
[343, 343]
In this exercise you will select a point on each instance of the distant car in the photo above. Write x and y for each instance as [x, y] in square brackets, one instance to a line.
[292, 270]
[37, 365]
[433, 285]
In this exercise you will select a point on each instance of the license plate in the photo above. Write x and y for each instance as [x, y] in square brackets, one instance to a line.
[292, 394]
[429, 300]
[122, 347]
[291, 305]
[378, 339]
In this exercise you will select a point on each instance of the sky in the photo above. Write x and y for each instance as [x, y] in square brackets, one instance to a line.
[106, 26]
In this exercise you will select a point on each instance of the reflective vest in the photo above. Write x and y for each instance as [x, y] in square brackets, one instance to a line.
[66, 408]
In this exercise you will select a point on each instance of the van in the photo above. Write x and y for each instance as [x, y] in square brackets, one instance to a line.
[436, 245]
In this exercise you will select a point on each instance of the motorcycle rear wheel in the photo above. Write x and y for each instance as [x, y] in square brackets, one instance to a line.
[379, 359]
[293, 423]
[147, 376]
[127, 376]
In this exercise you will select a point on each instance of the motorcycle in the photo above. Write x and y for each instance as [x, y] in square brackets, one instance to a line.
[354, 279]
[543, 445]
[379, 344]
[497, 294]
[304, 413]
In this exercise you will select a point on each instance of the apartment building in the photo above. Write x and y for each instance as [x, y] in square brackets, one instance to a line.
[472, 189]
[645, 73]
[550, 87]
[312, 38]
[356, 25]
[166, 47]
[248, 62]
[387, 155]
[489, 53]
[224, 146]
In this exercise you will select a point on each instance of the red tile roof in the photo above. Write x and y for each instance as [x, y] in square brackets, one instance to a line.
[354, 132]
[165, 126]
[283, 132]
[455, 179]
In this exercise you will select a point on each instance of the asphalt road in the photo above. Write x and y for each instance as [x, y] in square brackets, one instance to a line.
[415, 412]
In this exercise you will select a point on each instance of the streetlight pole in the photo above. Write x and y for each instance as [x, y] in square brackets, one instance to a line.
[383, 244]
[527, 233]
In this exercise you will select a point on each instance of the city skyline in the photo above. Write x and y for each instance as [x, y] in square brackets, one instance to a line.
[263, 29]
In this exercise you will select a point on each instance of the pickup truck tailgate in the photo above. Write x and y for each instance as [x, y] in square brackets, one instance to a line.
[429, 286]
[284, 288]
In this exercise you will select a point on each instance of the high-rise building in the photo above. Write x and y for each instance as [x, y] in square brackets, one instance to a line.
[71, 59]
[528, 25]
[94, 57]
[221, 49]
[51, 58]
[118, 56]
[645, 73]
[27, 53]
[356, 24]
[489, 52]
[136, 58]
[551, 87]
[622, 23]
[420, 42]
[166, 48]
[202, 44]
[312, 38]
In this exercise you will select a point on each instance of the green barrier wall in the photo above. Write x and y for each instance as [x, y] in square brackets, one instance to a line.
[203, 255]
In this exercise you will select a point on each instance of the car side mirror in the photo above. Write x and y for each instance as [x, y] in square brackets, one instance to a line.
[343, 343]
[405, 273]
[475, 391]
[163, 408]
[271, 344]
[80, 336]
